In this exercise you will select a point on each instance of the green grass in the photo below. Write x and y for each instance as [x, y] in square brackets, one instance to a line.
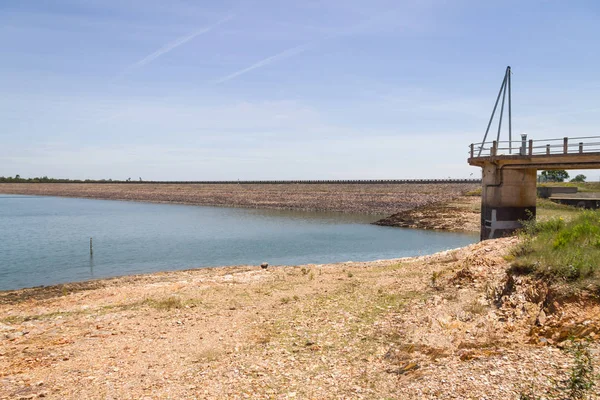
[475, 192]
[547, 209]
[581, 186]
[560, 248]
[546, 204]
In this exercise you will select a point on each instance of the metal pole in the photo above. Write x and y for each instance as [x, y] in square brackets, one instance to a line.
[492, 117]
[502, 109]
[508, 72]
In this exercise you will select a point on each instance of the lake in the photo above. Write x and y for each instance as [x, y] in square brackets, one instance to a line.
[45, 240]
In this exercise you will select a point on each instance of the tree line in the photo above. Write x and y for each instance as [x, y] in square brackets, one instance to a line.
[559, 175]
[44, 179]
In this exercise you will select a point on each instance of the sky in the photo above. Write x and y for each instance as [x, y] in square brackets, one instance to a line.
[274, 89]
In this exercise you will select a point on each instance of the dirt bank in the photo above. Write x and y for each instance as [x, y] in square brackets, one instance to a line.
[383, 199]
[459, 214]
[450, 325]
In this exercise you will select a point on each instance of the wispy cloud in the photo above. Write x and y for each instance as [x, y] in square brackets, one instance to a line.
[293, 51]
[284, 54]
[173, 45]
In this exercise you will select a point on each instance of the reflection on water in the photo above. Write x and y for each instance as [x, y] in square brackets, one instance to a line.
[91, 265]
[45, 240]
[322, 217]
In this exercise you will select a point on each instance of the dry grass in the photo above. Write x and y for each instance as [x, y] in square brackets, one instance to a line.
[165, 304]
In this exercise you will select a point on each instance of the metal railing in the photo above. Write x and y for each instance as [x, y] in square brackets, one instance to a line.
[575, 145]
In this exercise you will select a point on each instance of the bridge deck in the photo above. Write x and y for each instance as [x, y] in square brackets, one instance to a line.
[565, 153]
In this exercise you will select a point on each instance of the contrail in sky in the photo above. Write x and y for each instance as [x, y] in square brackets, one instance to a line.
[284, 54]
[299, 49]
[174, 44]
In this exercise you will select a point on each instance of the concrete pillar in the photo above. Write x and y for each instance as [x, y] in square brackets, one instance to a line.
[507, 197]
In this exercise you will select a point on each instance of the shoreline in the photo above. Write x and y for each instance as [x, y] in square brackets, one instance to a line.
[460, 214]
[430, 325]
[48, 291]
[44, 292]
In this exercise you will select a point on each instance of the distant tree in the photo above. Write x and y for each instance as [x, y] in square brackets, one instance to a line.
[558, 175]
[579, 178]
[140, 178]
[17, 177]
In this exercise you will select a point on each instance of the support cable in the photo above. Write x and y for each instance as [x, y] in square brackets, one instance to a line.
[502, 110]
[492, 117]
[508, 71]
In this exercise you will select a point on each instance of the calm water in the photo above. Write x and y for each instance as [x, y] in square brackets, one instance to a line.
[45, 240]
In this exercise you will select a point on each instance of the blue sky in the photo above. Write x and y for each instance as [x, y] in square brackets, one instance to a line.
[310, 89]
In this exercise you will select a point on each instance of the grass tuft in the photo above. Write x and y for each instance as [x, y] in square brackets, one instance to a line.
[165, 304]
[581, 379]
[475, 192]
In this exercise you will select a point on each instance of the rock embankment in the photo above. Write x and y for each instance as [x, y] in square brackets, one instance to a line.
[382, 199]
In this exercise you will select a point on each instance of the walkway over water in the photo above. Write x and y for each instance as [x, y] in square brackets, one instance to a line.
[547, 154]
[509, 176]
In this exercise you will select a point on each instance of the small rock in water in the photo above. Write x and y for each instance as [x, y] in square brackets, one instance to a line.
[264, 265]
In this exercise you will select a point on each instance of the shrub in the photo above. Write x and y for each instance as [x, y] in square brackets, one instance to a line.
[581, 378]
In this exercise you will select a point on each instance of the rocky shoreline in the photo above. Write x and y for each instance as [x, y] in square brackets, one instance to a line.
[461, 214]
[452, 325]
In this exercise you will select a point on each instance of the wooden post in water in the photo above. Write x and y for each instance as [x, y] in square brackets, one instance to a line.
[91, 248]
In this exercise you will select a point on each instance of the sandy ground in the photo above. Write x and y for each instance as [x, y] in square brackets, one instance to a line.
[383, 199]
[452, 325]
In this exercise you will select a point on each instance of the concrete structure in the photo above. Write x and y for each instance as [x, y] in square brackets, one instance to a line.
[548, 191]
[582, 200]
[509, 173]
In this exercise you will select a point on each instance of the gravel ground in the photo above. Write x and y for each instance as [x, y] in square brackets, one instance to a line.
[446, 326]
[461, 214]
[355, 198]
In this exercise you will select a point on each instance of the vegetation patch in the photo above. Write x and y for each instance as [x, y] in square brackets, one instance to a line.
[169, 303]
[579, 385]
[560, 249]
[475, 192]
[581, 186]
